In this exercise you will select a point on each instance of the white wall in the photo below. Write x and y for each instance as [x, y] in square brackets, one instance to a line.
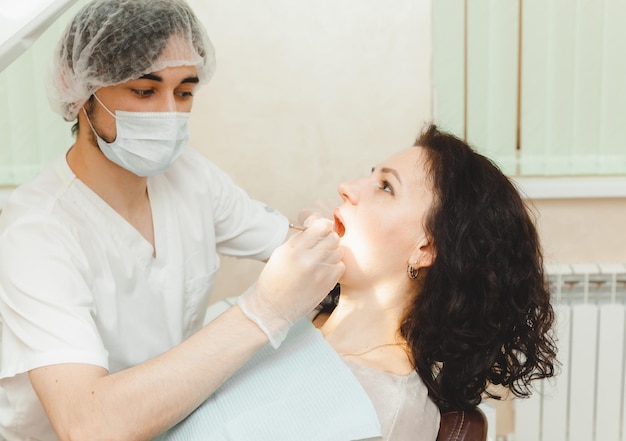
[308, 94]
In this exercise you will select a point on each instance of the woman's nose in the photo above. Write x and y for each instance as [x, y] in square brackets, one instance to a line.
[347, 191]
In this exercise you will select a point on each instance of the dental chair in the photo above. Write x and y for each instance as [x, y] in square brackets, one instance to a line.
[463, 425]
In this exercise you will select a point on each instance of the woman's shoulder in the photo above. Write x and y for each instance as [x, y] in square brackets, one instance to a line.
[384, 373]
[401, 402]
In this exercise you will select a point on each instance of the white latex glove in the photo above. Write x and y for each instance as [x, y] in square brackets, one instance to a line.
[295, 279]
[324, 208]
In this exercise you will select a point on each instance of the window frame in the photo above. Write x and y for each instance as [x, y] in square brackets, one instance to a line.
[25, 28]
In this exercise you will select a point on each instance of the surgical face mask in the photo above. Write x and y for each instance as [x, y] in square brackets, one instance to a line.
[147, 143]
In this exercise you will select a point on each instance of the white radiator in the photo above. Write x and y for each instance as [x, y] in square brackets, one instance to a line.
[587, 399]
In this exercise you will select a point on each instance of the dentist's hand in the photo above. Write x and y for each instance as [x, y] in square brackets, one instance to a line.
[295, 279]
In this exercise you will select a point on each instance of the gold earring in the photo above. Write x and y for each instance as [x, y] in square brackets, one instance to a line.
[412, 272]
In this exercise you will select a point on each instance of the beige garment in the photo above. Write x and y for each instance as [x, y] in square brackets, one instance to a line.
[404, 409]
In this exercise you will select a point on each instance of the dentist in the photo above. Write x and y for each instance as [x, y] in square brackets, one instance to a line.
[108, 257]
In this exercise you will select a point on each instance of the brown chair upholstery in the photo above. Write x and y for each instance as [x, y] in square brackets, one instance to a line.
[463, 425]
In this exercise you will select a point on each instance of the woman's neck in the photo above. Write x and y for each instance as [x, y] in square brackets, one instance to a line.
[364, 327]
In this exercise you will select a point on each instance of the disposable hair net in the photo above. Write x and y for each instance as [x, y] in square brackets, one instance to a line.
[112, 41]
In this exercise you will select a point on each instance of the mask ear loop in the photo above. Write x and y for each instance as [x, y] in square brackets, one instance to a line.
[103, 106]
[89, 120]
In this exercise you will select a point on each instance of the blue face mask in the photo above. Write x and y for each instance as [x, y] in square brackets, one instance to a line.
[147, 143]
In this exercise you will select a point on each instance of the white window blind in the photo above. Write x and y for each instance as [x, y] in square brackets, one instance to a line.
[539, 86]
[31, 135]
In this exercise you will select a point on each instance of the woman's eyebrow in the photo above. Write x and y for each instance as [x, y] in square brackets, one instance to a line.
[389, 170]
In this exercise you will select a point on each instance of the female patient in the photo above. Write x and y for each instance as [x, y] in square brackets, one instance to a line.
[444, 277]
[443, 293]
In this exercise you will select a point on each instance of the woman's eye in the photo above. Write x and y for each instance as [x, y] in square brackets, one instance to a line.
[385, 186]
[185, 94]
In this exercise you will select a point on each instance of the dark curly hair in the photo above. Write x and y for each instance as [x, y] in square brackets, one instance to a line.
[481, 314]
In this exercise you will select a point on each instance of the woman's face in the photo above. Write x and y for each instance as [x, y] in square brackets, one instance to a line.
[381, 220]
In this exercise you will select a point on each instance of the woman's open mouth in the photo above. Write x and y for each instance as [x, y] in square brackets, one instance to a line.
[340, 229]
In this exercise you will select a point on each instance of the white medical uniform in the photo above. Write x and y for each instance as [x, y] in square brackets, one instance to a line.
[79, 284]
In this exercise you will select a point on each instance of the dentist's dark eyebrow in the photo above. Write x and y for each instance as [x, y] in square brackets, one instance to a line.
[154, 77]
[151, 77]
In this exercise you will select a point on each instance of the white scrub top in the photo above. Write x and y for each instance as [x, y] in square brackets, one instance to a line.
[78, 284]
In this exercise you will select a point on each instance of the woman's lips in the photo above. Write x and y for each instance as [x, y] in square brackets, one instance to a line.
[340, 229]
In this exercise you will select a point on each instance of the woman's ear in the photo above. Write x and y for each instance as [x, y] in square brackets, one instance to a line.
[424, 254]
